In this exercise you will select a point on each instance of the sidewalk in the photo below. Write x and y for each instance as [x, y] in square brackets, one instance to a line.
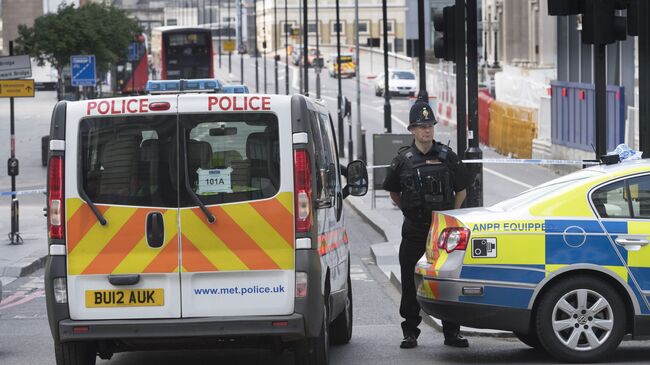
[24, 259]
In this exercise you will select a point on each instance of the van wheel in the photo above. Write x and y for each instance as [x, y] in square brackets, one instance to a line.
[529, 339]
[315, 351]
[581, 320]
[75, 353]
[341, 328]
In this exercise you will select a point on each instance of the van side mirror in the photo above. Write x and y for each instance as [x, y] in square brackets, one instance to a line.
[357, 176]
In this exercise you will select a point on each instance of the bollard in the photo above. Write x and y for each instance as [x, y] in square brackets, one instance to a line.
[475, 188]
[14, 236]
[363, 155]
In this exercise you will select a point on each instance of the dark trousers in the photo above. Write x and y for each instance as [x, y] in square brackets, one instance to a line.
[411, 249]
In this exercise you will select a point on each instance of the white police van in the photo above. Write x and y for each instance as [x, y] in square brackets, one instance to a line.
[192, 218]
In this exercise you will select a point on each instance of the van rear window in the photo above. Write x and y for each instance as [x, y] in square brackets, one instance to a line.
[231, 157]
[129, 160]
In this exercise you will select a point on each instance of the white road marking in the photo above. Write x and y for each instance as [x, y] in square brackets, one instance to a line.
[508, 178]
[358, 274]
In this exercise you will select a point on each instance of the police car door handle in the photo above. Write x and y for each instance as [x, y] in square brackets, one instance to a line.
[626, 241]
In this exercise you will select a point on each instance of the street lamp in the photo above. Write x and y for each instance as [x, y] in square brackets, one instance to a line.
[305, 7]
[257, 66]
[275, 43]
[286, 49]
[264, 41]
[220, 29]
[338, 77]
[229, 40]
[387, 109]
[317, 68]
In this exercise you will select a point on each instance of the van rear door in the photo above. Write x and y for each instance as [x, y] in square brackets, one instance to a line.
[236, 160]
[121, 157]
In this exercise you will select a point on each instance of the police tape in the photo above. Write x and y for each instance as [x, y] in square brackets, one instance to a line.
[22, 192]
[515, 161]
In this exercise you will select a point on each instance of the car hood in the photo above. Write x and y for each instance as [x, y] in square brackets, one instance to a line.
[398, 82]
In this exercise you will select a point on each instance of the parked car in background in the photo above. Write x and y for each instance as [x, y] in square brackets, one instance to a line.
[401, 83]
[348, 65]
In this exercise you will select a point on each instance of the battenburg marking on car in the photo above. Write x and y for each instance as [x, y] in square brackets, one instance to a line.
[504, 260]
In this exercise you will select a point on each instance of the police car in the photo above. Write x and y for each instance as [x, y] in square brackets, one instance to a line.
[192, 218]
[565, 265]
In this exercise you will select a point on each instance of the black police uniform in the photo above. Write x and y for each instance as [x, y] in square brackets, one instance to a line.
[426, 182]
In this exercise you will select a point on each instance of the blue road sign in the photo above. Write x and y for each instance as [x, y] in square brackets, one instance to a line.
[133, 51]
[83, 70]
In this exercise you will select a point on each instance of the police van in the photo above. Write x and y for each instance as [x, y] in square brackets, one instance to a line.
[197, 219]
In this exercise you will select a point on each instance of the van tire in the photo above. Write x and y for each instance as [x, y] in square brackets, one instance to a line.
[530, 339]
[315, 351]
[552, 308]
[45, 148]
[75, 353]
[341, 328]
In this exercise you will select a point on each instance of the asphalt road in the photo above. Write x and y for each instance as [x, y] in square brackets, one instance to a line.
[25, 338]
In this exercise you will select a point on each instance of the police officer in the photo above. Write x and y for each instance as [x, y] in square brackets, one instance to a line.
[424, 177]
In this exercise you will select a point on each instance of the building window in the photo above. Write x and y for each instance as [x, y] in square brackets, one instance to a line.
[312, 28]
[287, 26]
[171, 22]
[340, 26]
[364, 27]
[390, 26]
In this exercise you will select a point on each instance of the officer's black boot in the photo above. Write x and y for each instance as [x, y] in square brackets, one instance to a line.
[452, 335]
[409, 342]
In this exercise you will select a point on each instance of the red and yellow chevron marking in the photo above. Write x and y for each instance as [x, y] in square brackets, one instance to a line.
[246, 236]
[434, 254]
[120, 247]
[331, 240]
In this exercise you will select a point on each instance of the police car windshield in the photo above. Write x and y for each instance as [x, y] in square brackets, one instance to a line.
[557, 185]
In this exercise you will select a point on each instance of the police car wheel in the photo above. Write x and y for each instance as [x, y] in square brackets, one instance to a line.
[341, 328]
[75, 353]
[315, 351]
[581, 320]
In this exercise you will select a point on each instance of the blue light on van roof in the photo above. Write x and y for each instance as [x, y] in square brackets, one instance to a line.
[161, 86]
[175, 86]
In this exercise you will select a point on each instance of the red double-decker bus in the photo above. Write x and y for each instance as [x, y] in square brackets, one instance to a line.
[131, 76]
[182, 53]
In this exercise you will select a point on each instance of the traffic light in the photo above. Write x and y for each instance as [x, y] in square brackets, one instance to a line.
[444, 22]
[600, 24]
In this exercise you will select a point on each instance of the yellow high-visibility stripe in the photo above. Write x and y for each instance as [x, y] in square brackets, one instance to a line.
[211, 246]
[142, 254]
[286, 199]
[264, 235]
[71, 207]
[97, 238]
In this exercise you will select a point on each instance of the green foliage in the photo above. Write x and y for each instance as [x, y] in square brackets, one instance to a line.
[98, 29]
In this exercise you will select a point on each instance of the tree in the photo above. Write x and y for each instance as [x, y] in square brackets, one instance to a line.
[98, 29]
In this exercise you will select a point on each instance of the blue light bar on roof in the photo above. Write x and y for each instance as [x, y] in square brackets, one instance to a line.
[175, 86]
[201, 84]
[163, 86]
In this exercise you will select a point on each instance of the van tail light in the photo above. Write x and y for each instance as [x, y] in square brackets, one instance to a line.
[55, 198]
[302, 190]
[454, 239]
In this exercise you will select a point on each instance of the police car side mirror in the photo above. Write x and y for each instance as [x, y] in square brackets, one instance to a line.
[357, 179]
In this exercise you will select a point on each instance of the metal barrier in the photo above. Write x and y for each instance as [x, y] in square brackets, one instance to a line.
[573, 119]
[385, 147]
[512, 129]
[484, 102]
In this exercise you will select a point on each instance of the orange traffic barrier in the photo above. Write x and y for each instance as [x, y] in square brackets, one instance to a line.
[512, 129]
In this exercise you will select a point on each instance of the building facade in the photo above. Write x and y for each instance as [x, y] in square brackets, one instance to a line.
[15, 13]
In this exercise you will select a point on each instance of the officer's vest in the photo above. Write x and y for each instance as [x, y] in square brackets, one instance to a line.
[426, 185]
